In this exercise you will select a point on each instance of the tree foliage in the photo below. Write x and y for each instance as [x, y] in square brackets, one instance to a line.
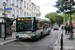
[55, 18]
[64, 5]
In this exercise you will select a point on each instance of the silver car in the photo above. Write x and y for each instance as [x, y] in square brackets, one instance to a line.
[55, 27]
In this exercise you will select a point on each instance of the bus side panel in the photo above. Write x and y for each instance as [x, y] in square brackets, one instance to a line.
[44, 31]
[38, 33]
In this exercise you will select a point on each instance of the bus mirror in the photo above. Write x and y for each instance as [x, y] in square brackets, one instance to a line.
[11, 23]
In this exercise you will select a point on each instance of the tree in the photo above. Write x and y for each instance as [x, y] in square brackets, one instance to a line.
[64, 5]
[73, 11]
[55, 18]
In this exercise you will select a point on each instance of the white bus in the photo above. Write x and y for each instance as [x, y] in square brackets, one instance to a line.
[30, 27]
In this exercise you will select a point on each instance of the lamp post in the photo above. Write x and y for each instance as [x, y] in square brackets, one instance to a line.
[4, 5]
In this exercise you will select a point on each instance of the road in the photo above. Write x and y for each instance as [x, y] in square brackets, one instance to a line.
[44, 43]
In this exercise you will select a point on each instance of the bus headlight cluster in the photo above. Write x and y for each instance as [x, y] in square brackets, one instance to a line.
[33, 34]
[17, 34]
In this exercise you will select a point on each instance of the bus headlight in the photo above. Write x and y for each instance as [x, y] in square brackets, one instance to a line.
[17, 34]
[33, 34]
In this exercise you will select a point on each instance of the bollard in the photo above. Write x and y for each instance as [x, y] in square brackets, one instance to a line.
[61, 41]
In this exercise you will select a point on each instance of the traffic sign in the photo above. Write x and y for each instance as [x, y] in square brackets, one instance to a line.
[6, 15]
[8, 8]
[4, 4]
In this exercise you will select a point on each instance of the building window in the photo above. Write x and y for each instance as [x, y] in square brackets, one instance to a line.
[24, 4]
[17, 3]
[12, 2]
[21, 5]
[20, 13]
[30, 14]
[37, 11]
[27, 14]
[27, 5]
[24, 13]
[37, 7]
[13, 12]
[17, 13]
[32, 7]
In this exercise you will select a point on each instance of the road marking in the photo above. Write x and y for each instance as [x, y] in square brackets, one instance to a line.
[24, 43]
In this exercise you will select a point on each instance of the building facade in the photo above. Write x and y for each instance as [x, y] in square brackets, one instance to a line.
[2, 9]
[19, 8]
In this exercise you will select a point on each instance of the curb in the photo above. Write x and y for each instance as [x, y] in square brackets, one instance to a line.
[7, 41]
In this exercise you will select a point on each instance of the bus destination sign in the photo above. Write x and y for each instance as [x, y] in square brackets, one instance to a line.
[21, 19]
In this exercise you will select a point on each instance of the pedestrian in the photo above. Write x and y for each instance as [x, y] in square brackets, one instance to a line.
[62, 28]
[66, 29]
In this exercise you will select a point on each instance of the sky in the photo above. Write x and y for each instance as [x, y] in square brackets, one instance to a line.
[46, 6]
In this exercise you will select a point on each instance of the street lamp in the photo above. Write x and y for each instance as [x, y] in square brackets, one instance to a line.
[4, 5]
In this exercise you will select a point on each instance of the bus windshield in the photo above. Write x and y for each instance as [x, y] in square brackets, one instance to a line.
[24, 25]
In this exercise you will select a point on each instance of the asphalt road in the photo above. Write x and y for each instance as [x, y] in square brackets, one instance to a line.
[45, 43]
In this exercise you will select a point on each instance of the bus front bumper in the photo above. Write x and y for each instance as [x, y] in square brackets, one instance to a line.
[29, 37]
[33, 37]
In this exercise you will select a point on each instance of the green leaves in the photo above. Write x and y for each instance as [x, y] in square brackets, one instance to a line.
[55, 18]
[64, 5]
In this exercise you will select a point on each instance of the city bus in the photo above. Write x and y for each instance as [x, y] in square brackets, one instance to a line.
[31, 27]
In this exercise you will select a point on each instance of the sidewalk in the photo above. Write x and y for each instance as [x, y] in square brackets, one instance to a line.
[9, 39]
[68, 43]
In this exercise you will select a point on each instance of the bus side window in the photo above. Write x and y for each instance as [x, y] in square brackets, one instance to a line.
[44, 26]
[38, 26]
